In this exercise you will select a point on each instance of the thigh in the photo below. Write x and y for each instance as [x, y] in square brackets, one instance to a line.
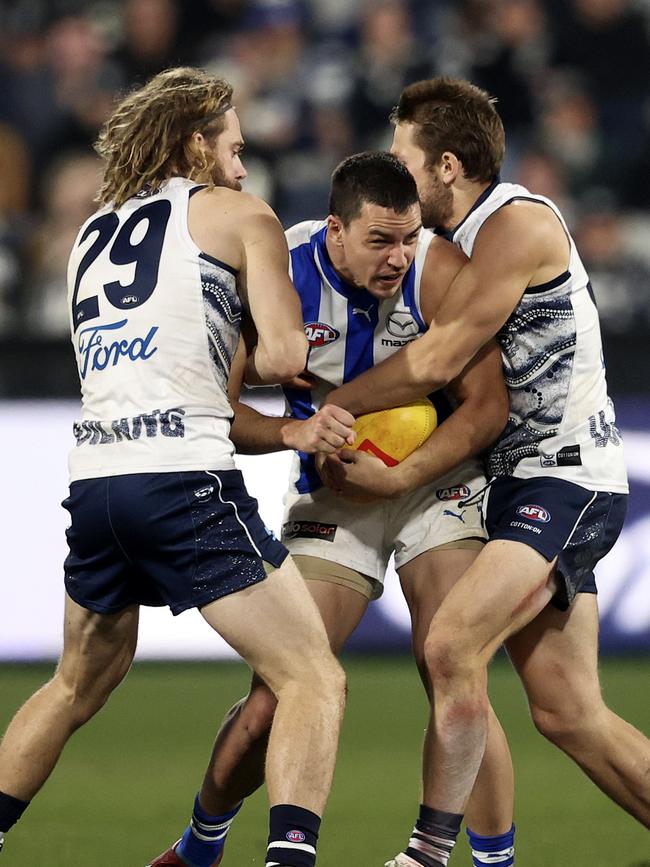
[505, 587]
[275, 625]
[97, 648]
[556, 655]
[330, 528]
[341, 607]
[425, 581]
[563, 521]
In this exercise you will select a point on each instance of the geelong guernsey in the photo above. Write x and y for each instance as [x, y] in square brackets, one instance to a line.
[348, 329]
[155, 324]
[562, 422]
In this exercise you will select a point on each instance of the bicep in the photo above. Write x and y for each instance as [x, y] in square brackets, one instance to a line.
[265, 274]
[482, 379]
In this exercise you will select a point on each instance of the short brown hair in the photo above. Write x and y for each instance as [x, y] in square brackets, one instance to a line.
[454, 115]
[148, 137]
[375, 177]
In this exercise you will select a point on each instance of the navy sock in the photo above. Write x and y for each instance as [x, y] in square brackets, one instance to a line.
[11, 809]
[205, 836]
[498, 849]
[293, 837]
[434, 836]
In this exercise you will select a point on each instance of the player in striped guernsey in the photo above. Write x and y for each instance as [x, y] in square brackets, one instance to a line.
[558, 499]
[370, 280]
[158, 279]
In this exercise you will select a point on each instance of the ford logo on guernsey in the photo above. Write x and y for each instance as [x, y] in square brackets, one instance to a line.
[296, 837]
[534, 513]
[320, 333]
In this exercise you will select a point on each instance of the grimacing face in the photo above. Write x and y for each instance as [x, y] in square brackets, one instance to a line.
[436, 198]
[377, 248]
[227, 148]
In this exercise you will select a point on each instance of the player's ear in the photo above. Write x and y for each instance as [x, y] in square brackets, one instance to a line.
[450, 167]
[335, 229]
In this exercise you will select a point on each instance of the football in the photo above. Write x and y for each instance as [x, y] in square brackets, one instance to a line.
[392, 434]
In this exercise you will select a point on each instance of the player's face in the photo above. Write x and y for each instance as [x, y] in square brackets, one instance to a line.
[436, 197]
[227, 147]
[378, 248]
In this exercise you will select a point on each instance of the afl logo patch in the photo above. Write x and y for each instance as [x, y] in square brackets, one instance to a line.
[457, 492]
[320, 333]
[295, 836]
[534, 513]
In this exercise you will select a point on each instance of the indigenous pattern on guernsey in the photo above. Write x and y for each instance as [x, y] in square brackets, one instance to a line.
[562, 422]
[155, 324]
[348, 329]
[222, 308]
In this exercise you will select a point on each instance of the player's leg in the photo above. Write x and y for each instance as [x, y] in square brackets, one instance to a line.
[568, 708]
[503, 589]
[97, 652]
[237, 765]
[236, 768]
[276, 628]
[426, 580]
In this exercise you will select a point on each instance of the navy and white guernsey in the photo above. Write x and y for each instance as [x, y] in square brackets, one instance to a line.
[155, 323]
[562, 422]
[348, 329]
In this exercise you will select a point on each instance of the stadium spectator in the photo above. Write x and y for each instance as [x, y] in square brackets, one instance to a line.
[549, 61]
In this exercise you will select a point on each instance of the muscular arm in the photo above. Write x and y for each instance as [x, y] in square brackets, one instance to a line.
[516, 247]
[478, 420]
[271, 298]
[254, 433]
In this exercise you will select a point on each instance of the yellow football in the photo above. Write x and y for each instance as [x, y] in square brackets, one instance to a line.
[392, 434]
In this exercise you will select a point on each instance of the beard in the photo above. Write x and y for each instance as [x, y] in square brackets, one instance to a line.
[436, 204]
[219, 179]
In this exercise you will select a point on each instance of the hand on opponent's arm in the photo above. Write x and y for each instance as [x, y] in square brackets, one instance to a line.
[253, 432]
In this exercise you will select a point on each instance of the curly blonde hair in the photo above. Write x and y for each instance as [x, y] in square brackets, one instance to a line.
[148, 137]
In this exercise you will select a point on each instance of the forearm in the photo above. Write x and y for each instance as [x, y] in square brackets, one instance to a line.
[409, 374]
[255, 434]
[465, 434]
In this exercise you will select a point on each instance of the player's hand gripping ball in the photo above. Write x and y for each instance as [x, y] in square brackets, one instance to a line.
[392, 434]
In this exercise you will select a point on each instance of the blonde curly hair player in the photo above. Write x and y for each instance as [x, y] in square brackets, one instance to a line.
[159, 279]
[148, 138]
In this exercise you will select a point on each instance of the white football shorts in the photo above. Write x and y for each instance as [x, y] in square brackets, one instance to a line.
[362, 536]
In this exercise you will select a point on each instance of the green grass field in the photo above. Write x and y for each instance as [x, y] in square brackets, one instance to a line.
[126, 782]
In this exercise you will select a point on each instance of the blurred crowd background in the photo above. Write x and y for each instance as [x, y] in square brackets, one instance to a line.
[315, 81]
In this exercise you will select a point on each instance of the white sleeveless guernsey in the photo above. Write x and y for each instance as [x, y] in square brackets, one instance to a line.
[348, 329]
[155, 324]
[562, 422]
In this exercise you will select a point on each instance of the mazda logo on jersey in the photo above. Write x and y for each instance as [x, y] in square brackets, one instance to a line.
[320, 333]
[534, 513]
[457, 492]
[400, 323]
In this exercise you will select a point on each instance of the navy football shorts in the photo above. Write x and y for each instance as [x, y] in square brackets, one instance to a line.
[558, 519]
[181, 539]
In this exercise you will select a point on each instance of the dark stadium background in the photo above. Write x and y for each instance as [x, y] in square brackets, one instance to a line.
[314, 82]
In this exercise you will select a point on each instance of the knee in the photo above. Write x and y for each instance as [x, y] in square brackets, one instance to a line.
[323, 678]
[565, 722]
[85, 693]
[443, 658]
